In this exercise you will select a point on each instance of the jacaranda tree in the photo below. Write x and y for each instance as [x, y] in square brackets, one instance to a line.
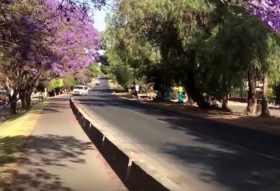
[36, 39]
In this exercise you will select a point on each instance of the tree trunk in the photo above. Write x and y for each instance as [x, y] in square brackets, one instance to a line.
[13, 104]
[22, 99]
[265, 110]
[190, 86]
[225, 102]
[251, 100]
[28, 100]
[190, 100]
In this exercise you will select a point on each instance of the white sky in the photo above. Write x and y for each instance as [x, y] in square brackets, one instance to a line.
[99, 20]
[99, 17]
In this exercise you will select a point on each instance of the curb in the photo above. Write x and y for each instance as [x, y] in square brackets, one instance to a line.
[135, 173]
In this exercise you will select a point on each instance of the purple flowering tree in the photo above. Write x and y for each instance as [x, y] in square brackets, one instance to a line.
[37, 42]
[75, 41]
[267, 10]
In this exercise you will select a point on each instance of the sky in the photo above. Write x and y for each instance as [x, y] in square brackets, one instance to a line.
[99, 17]
[99, 23]
[99, 20]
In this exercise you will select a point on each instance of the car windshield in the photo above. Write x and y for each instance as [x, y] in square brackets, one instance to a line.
[79, 87]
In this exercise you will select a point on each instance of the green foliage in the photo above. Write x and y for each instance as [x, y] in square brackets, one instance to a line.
[270, 93]
[121, 73]
[187, 42]
[55, 83]
[276, 90]
[93, 70]
[70, 81]
[104, 69]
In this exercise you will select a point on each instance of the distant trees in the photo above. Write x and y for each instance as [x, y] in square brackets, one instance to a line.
[210, 49]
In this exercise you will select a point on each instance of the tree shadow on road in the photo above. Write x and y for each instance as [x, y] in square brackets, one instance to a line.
[28, 169]
[55, 105]
[188, 123]
[230, 168]
[226, 155]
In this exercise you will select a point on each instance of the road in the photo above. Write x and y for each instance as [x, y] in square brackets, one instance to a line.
[197, 154]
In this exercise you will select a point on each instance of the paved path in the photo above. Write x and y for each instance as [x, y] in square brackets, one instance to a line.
[60, 157]
[200, 155]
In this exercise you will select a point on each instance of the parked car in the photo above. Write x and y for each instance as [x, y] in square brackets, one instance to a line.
[97, 82]
[80, 90]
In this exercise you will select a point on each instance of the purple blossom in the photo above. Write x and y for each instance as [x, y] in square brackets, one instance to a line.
[267, 10]
[76, 43]
[8, 1]
[53, 44]
[31, 70]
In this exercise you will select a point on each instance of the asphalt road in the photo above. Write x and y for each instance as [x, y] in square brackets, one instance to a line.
[199, 155]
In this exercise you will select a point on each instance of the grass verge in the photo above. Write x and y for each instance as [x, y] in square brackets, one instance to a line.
[13, 134]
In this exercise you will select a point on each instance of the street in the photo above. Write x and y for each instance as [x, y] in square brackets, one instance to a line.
[197, 154]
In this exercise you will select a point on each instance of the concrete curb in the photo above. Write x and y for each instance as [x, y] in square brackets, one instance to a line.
[133, 171]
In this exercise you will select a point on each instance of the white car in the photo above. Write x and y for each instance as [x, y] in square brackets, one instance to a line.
[97, 82]
[80, 90]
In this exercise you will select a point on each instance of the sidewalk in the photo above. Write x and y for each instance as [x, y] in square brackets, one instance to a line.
[59, 156]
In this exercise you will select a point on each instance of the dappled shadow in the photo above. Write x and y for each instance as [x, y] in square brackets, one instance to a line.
[265, 124]
[218, 130]
[227, 167]
[236, 158]
[56, 105]
[40, 154]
